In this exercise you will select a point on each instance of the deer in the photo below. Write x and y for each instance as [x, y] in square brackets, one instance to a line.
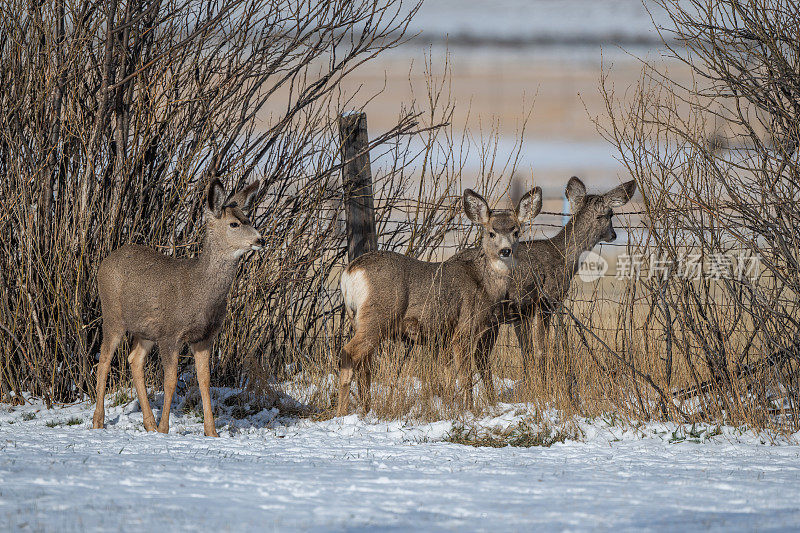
[390, 296]
[545, 268]
[171, 302]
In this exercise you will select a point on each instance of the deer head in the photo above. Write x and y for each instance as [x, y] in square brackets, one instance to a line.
[229, 231]
[501, 227]
[592, 213]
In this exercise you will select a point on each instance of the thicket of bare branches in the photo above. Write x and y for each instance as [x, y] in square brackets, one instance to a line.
[717, 161]
[114, 117]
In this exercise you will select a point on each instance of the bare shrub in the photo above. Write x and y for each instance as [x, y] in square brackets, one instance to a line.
[115, 116]
[717, 162]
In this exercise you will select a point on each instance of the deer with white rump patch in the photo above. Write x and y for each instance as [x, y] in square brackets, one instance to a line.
[172, 302]
[391, 295]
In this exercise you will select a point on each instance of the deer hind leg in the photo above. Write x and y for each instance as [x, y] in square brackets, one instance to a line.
[169, 360]
[345, 378]
[202, 354]
[355, 355]
[111, 339]
[483, 360]
[141, 347]
[365, 384]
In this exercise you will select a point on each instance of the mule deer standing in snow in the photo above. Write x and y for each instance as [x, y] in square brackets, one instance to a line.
[169, 301]
[546, 267]
[387, 294]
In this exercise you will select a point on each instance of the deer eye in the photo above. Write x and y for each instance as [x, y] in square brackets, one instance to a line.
[516, 234]
[234, 224]
[491, 234]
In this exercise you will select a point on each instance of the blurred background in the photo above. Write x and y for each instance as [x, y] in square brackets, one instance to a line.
[512, 59]
[523, 76]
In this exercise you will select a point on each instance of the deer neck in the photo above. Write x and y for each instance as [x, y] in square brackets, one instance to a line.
[496, 275]
[572, 241]
[216, 270]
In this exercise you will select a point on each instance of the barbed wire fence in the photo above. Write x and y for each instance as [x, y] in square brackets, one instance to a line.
[614, 295]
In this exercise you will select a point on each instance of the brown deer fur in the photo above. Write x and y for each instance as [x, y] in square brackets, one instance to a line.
[545, 268]
[172, 302]
[391, 295]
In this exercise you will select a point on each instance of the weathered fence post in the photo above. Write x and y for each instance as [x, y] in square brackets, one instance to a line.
[359, 207]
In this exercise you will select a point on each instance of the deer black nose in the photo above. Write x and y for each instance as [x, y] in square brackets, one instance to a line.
[505, 252]
[260, 241]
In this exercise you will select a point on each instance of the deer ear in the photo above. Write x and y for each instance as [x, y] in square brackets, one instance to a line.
[619, 196]
[476, 208]
[246, 197]
[215, 198]
[575, 192]
[529, 205]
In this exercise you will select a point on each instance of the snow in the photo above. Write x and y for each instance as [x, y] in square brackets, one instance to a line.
[272, 471]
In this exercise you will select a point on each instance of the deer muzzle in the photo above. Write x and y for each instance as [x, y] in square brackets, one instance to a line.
[259, 244]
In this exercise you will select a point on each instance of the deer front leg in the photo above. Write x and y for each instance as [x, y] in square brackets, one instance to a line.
[463, 371]
[483, 361]
[169, 360]
[541, 324]
[109, 346]
[202, 354]
[524, 330]
[408, 347]
[136, 359]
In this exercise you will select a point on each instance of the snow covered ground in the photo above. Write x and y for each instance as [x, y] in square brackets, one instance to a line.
[271, 472]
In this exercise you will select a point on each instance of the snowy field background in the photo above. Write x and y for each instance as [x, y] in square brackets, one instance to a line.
[273, 472]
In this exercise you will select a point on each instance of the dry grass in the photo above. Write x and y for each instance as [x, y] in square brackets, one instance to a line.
[621, 372]
[525, 434]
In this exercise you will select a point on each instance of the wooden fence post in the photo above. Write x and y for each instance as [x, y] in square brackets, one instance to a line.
[359, 207]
